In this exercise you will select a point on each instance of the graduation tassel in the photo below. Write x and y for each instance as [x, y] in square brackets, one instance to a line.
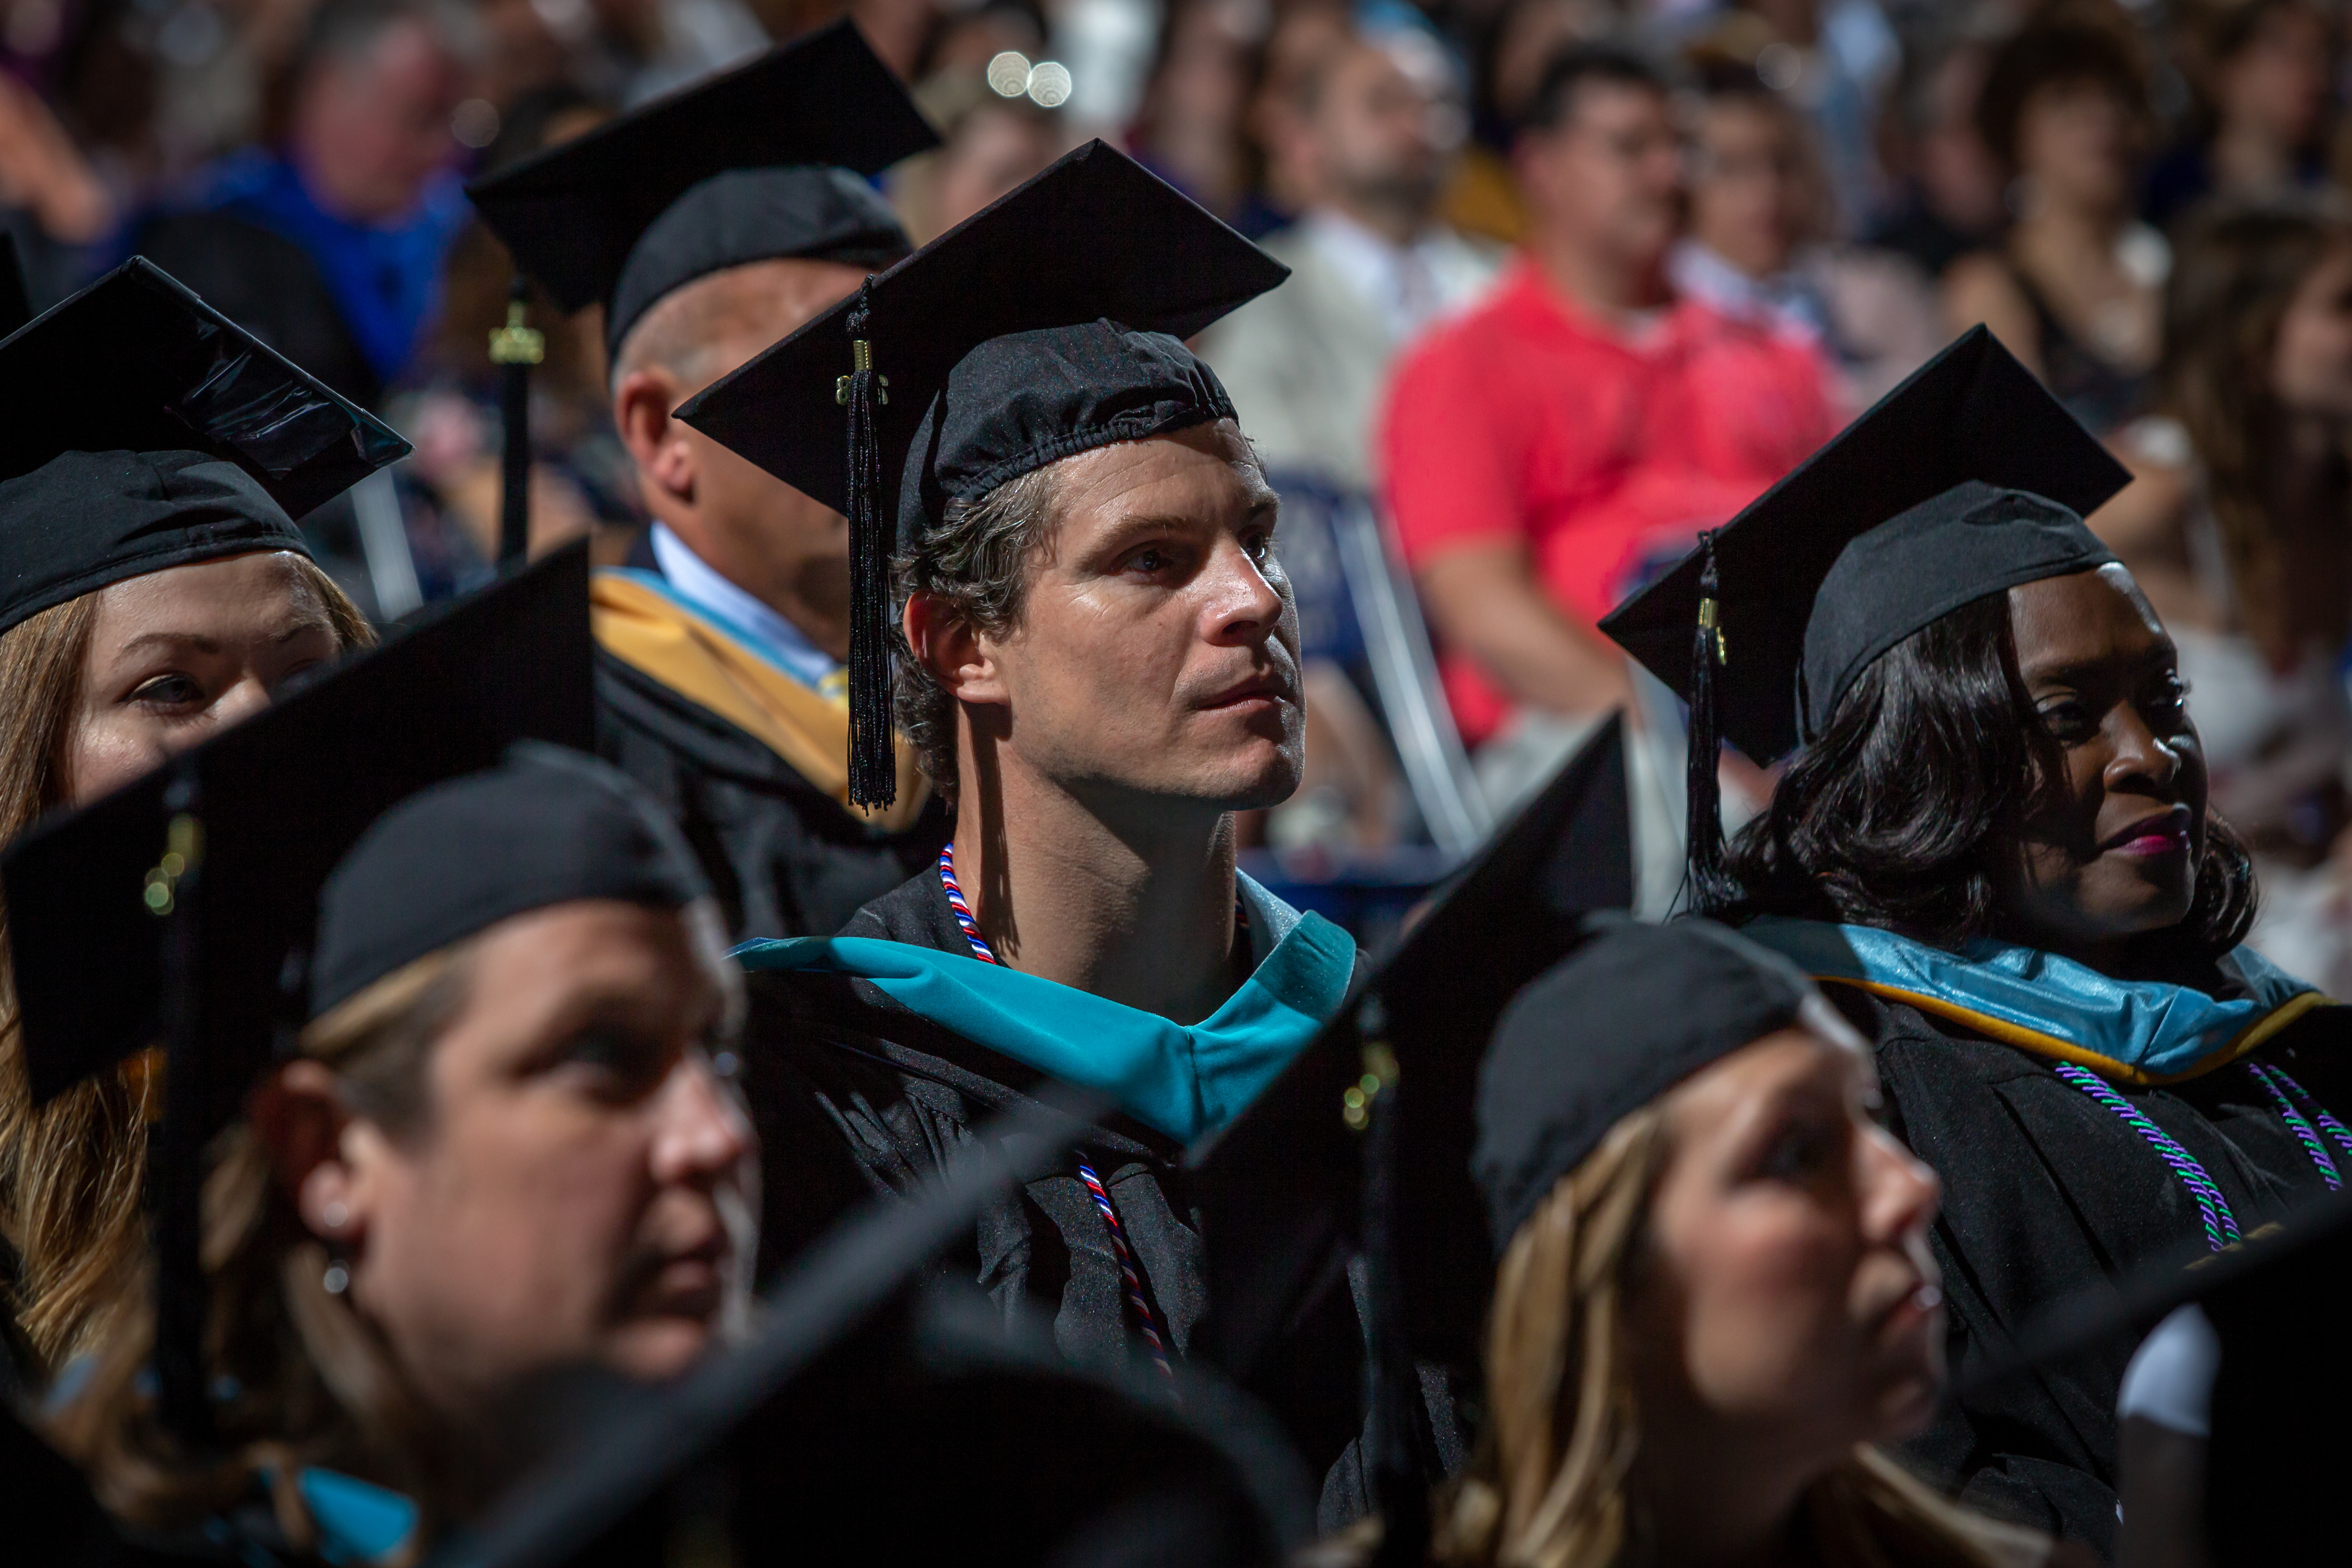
[182, 1393]
[514, 349]
[1709, 881]
[872, 755]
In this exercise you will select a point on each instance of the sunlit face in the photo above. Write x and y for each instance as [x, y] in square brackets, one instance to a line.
[177, 655]
[2113, 850]
[582, 1185]
[1788, 1301]
[2311, 363]
[1156, 656]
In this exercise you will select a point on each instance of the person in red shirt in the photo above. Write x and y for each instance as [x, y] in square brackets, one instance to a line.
[1546, 450]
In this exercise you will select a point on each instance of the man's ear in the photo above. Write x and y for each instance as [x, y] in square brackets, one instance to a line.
[297, 1115]
[665, 459]
[945, 644]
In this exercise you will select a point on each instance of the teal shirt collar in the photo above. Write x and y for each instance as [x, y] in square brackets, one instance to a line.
[1184, 1082]
[2138, 1031]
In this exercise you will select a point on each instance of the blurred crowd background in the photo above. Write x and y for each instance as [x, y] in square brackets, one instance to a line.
[1573, 280]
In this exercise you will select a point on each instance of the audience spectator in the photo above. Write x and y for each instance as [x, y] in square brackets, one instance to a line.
[991, 141]
[2236, 531]
[1547, 449]
[1521, 40]
[1370, 267]
[1836, 57]
[1760, 247]
[328, 242]
[53, 205]
[2261, 72]
[2073, 289]
[1366, 139]
[1947, 188]
[1301, 43]
[1189, 128]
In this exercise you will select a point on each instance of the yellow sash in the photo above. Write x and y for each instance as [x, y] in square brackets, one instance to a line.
[704, 664]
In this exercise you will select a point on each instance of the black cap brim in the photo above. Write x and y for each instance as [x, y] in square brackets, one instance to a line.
[137, 363]
[1973, 412]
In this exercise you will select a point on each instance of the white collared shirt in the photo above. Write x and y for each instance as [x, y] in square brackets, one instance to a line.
[700, 585]
[1408, 286]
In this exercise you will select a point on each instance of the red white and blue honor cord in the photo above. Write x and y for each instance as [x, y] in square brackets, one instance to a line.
[1138, 1302]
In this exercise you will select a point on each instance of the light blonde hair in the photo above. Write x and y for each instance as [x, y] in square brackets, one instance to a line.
[314, 1382]
[72, 1171]
[1548, 1486]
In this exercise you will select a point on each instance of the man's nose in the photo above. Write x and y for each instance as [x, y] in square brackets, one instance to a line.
[703, 1132]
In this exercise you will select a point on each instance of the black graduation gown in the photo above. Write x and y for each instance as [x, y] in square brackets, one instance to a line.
[781, 855]
[905, 1094]
[2047, 1192]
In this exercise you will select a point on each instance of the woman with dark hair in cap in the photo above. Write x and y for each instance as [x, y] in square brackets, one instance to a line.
[1715, 1295]
[153, 589]
[1993, 841]
[504, 1146]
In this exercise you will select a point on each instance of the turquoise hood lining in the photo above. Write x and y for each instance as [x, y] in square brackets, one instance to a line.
[357, 1521]
[1185, 1081]
[2153, 1031]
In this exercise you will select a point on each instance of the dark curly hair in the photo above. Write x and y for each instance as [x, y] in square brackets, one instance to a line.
[2050, 53]
[1934, 758]
[977, 561]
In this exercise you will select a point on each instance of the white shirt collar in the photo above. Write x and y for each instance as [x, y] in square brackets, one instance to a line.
[700, 585]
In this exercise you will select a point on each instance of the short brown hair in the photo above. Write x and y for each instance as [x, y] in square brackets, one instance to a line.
[2048, 54]
[976, 562]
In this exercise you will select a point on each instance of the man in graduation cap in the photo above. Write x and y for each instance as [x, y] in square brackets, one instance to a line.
[707, 225]
[1099, 662]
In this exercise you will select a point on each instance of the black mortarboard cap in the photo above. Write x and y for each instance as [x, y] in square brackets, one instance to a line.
[1966, 479]
[760, 162]
[1047, 325]
[547, 826]
[280, 799]
[856, 1355]
[140, 428]
[1283, 1180]
[1605, 1031]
